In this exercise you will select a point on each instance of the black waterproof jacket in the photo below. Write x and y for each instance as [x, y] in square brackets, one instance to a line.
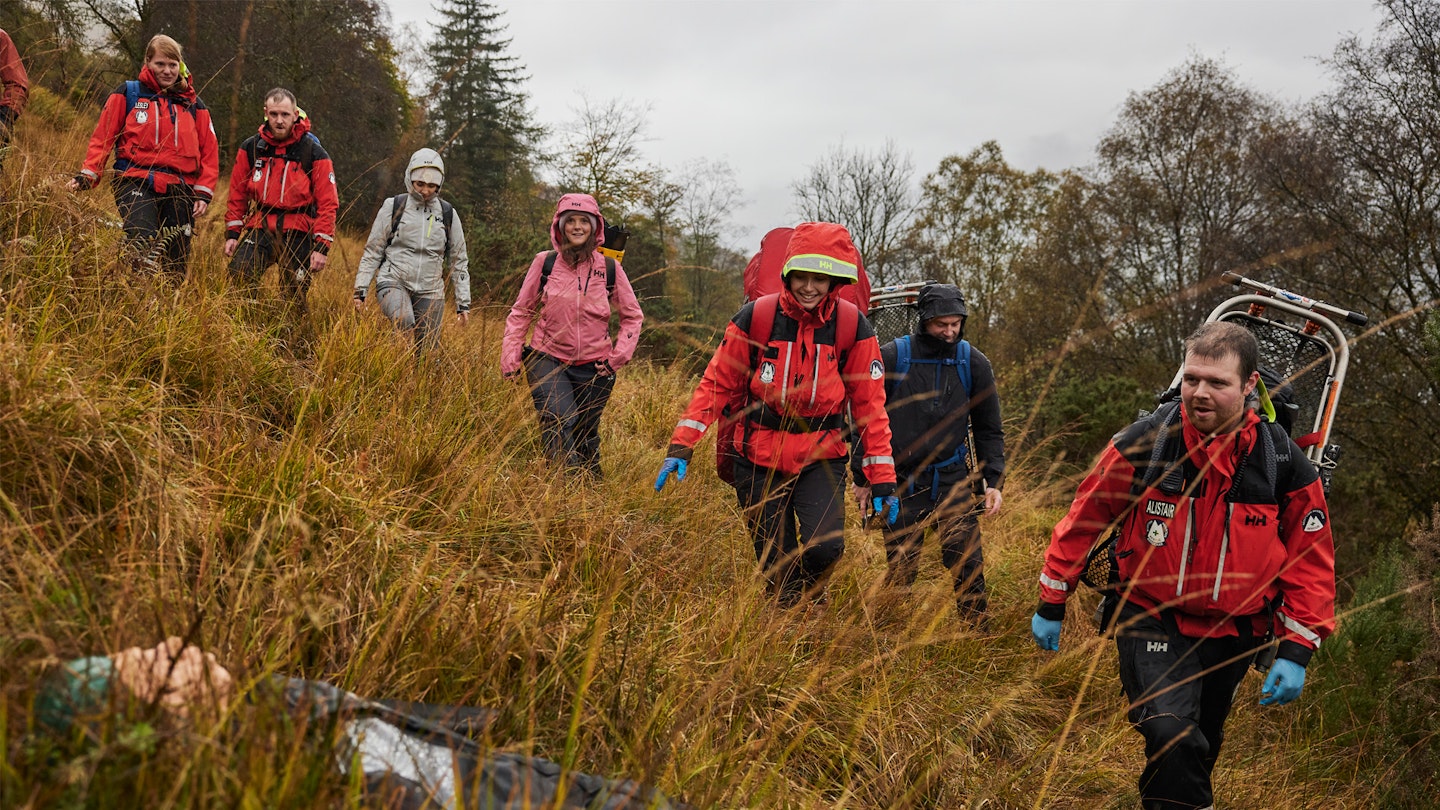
[927, 423]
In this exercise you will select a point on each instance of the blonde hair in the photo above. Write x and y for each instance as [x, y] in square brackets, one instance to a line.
[165, 46]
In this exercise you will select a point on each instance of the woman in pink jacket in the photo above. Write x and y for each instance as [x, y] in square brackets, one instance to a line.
[570, 360]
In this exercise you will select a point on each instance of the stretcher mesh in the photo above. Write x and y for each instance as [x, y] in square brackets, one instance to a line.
[893, 320]
[1305, 360]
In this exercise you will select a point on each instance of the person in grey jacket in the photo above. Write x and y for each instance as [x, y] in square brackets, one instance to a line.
[414, 237]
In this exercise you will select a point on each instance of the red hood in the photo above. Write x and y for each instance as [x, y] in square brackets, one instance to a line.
[815, 317]
[296, 132]
[182, 89]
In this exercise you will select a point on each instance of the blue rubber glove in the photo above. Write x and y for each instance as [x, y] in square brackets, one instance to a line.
[1283, 684]
[671, 465]
[1046, 632]
[889, 506]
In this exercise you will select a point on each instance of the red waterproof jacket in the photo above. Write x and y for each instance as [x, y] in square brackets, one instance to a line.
[1207, 544]
[797, 374]
[13, 78]
[167, 138]
[286, 196]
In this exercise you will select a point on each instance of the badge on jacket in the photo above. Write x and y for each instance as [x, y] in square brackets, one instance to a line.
[1156, 533]
[767, 373]
[876, 370]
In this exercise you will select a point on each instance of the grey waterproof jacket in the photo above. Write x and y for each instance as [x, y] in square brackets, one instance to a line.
[415, 258]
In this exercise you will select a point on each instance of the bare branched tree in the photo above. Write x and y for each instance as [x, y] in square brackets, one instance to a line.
[871, 194]
[599, 154]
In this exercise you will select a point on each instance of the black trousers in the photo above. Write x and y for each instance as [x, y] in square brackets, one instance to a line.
[958, 531]
[157, 226]
[1180, 689]
[289, 249]
[797, 523]
[569, 401]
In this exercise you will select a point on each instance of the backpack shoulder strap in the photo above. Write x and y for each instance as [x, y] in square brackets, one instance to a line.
[902, 363]
[397, 210]
[132, 94]
[847, 325]
[307, 152]
[609, 277]
[762, 324]
[547, 268]
[962, 365]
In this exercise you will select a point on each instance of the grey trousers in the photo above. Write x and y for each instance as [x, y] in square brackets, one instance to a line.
[411, 313]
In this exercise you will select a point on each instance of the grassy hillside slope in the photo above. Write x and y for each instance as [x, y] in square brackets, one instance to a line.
[167, 467]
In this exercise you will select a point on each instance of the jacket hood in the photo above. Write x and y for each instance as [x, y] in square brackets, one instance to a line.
[425, 158]
[938, 301]
[583, 203]
[824, 248]
[182, 89]
[297, 131]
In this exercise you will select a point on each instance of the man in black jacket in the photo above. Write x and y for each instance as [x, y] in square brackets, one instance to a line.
[939, 389]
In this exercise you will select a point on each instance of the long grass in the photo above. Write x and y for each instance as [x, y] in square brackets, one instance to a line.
[170, 465]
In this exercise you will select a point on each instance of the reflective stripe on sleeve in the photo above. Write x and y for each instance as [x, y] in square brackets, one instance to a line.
[691, 423]
[1300, 630]
[824, 265]
[1053, 584]
[868, 460]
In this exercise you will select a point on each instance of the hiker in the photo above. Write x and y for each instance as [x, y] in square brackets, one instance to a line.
[14, 90]
[406, 754]
[570, 360]
[415, 239]
[939, 388]
[166, 158]
[289, 176]
[1223, 537]
[791, 380]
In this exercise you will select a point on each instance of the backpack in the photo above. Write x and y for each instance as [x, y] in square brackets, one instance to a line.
[961, 363]
[762, 327]
[762, 274]
[549, 266]
[397, 211]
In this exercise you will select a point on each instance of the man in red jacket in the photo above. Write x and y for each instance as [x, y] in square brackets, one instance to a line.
[290, 178]
[1222, 534]
[166, 158]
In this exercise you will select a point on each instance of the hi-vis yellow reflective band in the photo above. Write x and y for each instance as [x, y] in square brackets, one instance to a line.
[824, 265]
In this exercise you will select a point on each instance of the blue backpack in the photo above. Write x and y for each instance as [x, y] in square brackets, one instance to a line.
[961, 363]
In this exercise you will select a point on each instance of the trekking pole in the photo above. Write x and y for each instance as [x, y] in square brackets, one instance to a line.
[1350, 316]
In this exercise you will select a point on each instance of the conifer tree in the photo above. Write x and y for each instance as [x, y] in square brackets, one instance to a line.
[477, 109]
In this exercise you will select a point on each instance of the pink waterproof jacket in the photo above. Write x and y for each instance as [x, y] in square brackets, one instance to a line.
[571, 316]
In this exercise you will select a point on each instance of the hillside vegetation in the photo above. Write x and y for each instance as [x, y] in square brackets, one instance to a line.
[170, 466]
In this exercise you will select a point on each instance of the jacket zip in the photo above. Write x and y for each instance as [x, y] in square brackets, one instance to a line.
[815, 377]
[785, 380]
[1224, 547]
[1185, 550]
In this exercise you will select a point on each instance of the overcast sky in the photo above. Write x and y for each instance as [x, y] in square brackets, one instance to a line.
[770, 86]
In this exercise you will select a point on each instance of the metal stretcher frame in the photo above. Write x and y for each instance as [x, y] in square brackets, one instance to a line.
[1312, 356]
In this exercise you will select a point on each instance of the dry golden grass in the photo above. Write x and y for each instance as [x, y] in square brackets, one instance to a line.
[167, 467]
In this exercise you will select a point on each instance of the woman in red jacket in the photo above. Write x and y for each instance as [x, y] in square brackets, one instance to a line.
[792, 386]
[166, 158]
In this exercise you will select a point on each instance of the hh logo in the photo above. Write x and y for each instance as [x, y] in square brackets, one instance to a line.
[1254, 520]
[1157, 646]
